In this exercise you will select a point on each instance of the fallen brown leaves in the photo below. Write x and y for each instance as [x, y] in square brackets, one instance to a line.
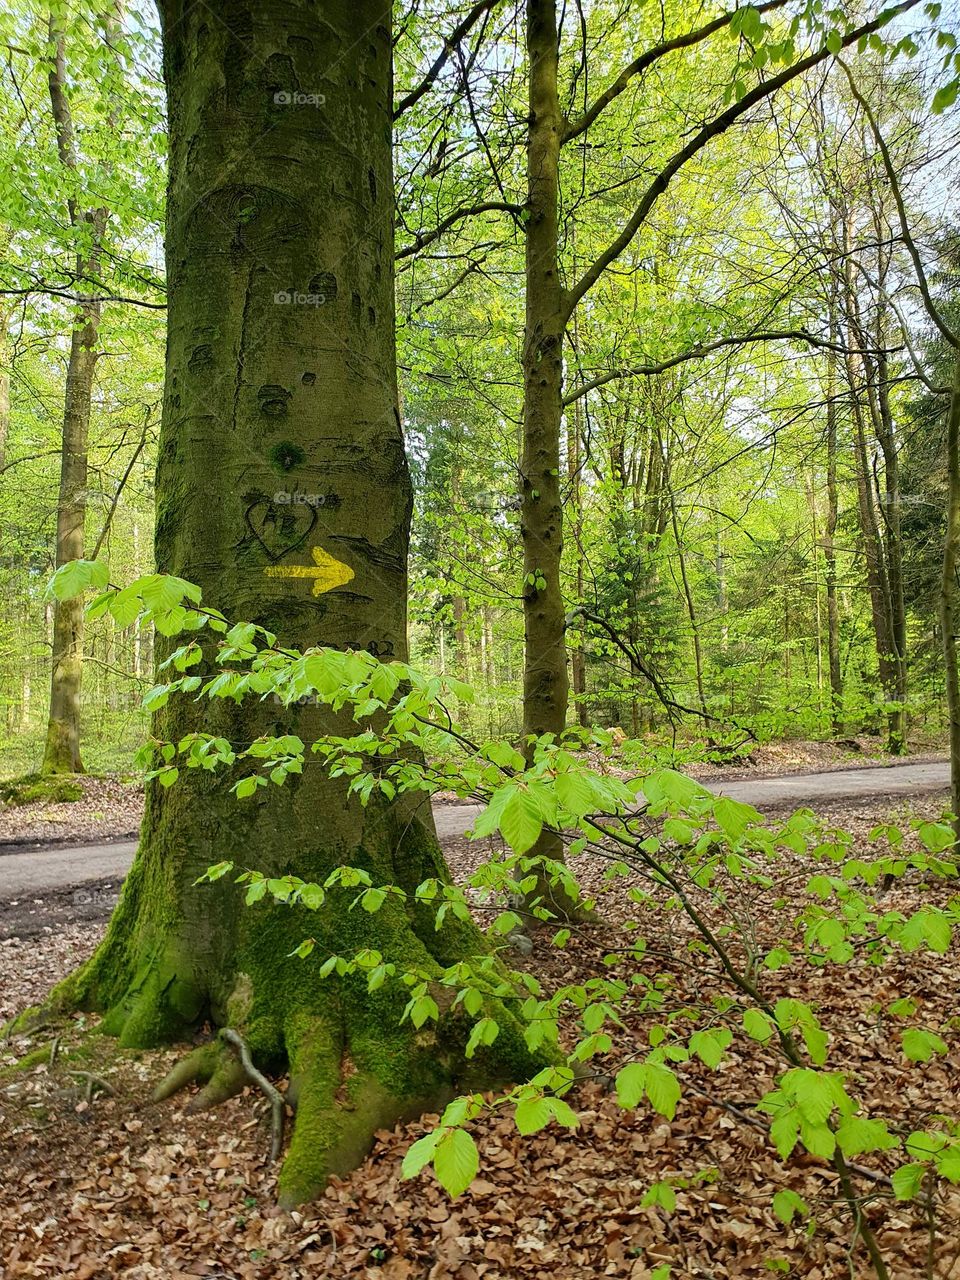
[110, 808]
[112, 1187]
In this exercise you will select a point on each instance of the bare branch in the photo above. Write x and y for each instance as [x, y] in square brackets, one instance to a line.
[449, 44]
[706, 134]
[647, 58]
[697, 353]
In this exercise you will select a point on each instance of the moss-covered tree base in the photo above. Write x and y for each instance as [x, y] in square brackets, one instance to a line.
[180, 956]
[36, 788]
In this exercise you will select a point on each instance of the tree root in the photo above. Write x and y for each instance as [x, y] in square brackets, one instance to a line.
[260, 1080]
[224, 1074]
[220, 1072]
[93, 1083]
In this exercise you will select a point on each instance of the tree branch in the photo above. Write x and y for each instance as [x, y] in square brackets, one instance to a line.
[697, 353]
[933, 311]
[647, 58]
[449, 44]
[423, 238]
[706, 134]
[51, 292]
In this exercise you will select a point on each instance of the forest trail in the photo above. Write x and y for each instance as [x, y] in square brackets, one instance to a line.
[37, 869]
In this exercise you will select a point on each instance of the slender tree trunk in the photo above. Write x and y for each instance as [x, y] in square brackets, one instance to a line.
[545, 683]
[687, 592]
[885, 432]
[830, 551]
[949, 593]
[877, 585]
[270, 200]
[62, 748]
[578, 665]
[5, 360]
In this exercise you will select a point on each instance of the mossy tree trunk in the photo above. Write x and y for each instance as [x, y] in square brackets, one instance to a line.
[949, 609]
[545, 680]
[281, 381]
[61, 752]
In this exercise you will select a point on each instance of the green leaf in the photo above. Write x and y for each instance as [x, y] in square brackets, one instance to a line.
[907, 1180]
[373, 900]
[630, 1083]
[733, 818]
[758, 1025]
[786, 1204]
[856, 1135]
[920, 1046]
[709, 1045]
[814, 1094]
[663, 1089]
[785, 1130]
[945, 96]
[661, 1194]
[77, 576]
[532, 1115]
[818, 1139]
[456, 1162]
[521, 821]
[420, 1154]
[483, 1032]
[575, 793]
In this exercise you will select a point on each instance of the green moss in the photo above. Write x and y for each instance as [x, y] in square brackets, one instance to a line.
[285, 456]
[35, 788]
[34, 1058]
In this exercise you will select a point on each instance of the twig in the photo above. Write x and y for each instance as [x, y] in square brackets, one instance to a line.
[54, 1048]
[235, 1039]
[758, 1123]
[93, 1082]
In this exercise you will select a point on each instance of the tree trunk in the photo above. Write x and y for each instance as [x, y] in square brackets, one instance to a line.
[545, 685]
[876, 573]
[578, 663]
[62, 748]
[948, 597]
[281, 375]
[830, 550]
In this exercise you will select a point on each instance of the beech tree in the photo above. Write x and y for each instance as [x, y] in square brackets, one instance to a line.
[283, 493]
[62, 749]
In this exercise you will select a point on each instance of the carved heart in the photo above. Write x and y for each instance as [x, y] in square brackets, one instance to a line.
[278, 528]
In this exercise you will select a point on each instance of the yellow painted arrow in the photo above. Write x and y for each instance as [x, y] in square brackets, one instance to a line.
[326, 572]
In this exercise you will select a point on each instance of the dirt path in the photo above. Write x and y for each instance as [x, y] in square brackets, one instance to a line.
[28, 872]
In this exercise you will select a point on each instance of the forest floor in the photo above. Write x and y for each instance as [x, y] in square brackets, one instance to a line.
[96, 1184]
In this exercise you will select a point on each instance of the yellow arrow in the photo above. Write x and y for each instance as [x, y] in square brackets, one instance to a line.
[326, 572]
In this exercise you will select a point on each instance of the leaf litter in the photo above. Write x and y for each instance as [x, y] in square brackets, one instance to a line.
[97, 1184]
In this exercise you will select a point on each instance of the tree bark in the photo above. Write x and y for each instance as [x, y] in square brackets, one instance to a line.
[545, 682]
[578, 663]
[281, 376]
[949, 598]
[62, 748]
[830, 550]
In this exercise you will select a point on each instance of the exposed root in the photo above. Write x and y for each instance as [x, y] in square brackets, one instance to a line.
[260, 1080]
[94, 1083]
[218, 1069]
[196, 1066]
